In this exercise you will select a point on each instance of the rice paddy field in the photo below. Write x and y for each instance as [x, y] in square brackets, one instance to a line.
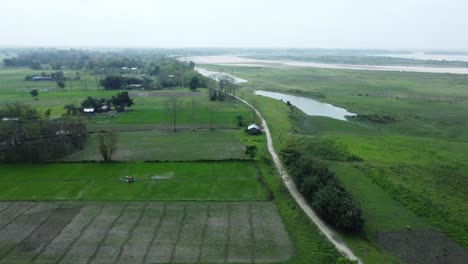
[177, 181]
[142, 232]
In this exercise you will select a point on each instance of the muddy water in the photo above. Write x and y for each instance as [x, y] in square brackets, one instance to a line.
[425, 56]
[216, 75]
[240, 61]
[310, 106]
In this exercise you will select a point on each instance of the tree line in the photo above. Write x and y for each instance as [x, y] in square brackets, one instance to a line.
[119, 101]
[320, 186]
[26, 135]
[113, 70]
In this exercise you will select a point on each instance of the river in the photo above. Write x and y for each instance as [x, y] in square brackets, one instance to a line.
[245, 62]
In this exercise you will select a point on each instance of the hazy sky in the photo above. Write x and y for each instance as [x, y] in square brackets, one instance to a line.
[396, 24]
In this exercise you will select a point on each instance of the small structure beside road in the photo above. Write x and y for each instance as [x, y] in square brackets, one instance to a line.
[254, 129]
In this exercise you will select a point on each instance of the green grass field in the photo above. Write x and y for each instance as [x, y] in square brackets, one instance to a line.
[179, 146]
[150, 106]
[414, 172]
[181, 181]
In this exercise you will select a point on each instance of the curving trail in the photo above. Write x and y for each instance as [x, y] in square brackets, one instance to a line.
[327, 231]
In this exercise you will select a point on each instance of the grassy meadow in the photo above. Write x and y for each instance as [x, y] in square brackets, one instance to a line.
[170, 146]
[414, 173]
[181, 181]
[193, 108]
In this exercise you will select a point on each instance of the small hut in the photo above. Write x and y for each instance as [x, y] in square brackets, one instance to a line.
[254, 129]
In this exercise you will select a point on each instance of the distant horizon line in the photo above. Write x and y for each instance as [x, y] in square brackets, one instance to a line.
[222, 47]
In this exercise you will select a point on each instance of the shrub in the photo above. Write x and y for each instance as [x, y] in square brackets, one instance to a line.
[320, 187]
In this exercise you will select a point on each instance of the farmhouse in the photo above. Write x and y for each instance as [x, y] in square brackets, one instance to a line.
[104, 108]
[40, 78]
[63, 132]
[254, 129]
[10, 119]
[88, 110]
[135, 85]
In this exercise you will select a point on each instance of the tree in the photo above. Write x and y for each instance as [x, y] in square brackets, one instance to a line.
[47, 113]
[34, 93]
[251, 151]
[107, 144]
[121, 100]
[191, 65]
[27, 136]
[193, 114]
[35, 65]
[240, 120]
[171, 104]
[72, 109]
[60, 84]
[194, 83]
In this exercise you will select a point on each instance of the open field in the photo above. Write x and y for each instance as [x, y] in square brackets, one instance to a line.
[180, 146]
[194, 109]
[178, 181]
[414, 169]
[142, 233]
[145, 134]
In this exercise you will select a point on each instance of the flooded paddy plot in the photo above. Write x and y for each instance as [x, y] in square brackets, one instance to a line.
[139, 232]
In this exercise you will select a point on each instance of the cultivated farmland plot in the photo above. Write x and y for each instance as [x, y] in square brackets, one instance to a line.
[138, 232]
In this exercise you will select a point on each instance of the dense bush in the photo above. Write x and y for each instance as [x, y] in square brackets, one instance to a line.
[321, 188]
[118, 82]
[26, 136]
[324, 148]
[374, 118]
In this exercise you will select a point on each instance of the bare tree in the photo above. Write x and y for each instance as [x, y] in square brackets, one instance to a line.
[107, 144]
[193, 114]
[212, 110]
[171, 104]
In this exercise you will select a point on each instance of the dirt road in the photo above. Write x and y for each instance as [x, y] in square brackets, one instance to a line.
[327, 231]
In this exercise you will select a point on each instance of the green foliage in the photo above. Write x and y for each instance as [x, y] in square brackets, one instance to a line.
[344, 260]
[35, 65]
[25, 136]
[320, 187]
[72, 110]
[47, 113]
[240, 120]
[374, 118]
[34, 93]
[194, 83]
[118, 82]
[91, 102]
[251, 151]
[60, 84]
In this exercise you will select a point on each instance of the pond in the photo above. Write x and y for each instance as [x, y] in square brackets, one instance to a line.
[310, 106]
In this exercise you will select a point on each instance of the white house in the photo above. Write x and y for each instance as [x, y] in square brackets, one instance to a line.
[254, 129]
[88, 110]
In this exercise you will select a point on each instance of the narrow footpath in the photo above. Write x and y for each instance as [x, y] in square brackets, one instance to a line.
[327, 231]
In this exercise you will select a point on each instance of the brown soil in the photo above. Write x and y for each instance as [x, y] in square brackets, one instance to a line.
[423, 247]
